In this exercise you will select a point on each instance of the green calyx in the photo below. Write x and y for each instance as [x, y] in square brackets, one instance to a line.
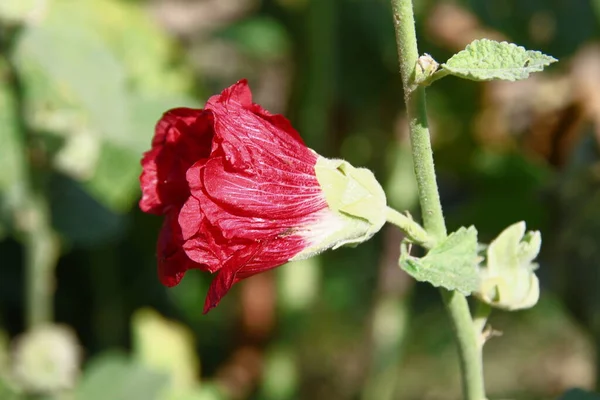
[508, 280]
[356, 200]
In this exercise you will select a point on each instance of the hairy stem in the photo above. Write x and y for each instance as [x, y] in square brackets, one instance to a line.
[433, 218]
[411, 229]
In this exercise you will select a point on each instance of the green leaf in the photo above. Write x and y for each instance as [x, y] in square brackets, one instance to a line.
[452, 264]
[78, 63]
[115, 180]
[281, 378]
[485, 59]
[7, 392]
[99, 84]
[207, 391]
[579, 394]
[166, 346]
[113, 376]
[19, 10]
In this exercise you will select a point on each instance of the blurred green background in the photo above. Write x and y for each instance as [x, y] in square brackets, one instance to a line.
[82, 83]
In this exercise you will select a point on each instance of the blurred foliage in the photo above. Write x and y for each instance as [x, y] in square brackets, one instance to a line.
[82, 83]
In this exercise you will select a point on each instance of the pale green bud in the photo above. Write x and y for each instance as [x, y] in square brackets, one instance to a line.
[508, 280]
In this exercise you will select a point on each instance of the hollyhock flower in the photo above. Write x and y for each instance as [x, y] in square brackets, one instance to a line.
[241, 193]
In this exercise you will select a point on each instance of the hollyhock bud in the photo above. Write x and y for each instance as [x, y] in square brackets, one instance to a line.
[508, 279]
[241, 193]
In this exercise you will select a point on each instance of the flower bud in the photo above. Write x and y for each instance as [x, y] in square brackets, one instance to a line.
[508, 280]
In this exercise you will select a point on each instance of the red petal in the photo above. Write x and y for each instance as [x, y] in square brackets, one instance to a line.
[237, 94]
[204, 243]
[182, 137]
[172, 259]
[245, 136]
[181, 117]
[190, 218]
[253, 259]
[271, 194]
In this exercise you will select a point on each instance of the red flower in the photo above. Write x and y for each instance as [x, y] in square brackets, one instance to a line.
[238, 188]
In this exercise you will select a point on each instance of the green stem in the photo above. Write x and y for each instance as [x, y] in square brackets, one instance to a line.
[411, 229]
[41, 256]
[414, 98]
[31, 209]
[469, 345]
[433, 218]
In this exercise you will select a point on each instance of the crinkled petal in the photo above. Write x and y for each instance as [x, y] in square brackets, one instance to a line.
[173, 262]
[182, 137]
[244, 133]
[204, 243]
[274, 195]
[255, 258]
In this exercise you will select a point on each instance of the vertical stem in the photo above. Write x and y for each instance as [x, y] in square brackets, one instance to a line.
[31, 209]
[433, 218]
[469, 348]
[480, 317]
[41, 255]
[404, 23]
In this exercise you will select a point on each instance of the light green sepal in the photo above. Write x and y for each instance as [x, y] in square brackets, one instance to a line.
[357, 206]
[354, 193]
[508, 280]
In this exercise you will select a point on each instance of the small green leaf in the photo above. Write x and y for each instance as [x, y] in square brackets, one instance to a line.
[166, 346]
[485, 60]
[114, 182]
[206, 391]
[452, 264]
[280, 380]
[7, 392]
[113, 376]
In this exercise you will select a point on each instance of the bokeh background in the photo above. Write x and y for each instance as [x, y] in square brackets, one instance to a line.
[82, 83]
